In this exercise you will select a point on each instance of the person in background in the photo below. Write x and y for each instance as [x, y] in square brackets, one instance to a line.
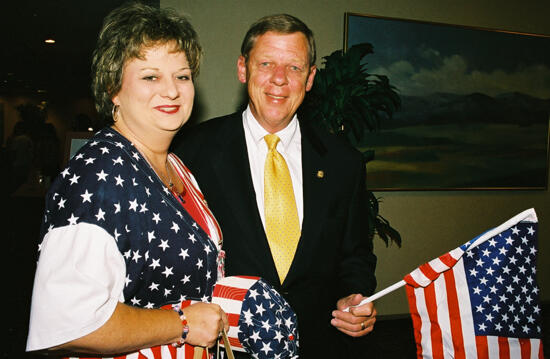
[20, 149]
[129, 250]
[291, 200]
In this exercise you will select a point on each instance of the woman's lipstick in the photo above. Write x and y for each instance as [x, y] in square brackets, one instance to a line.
[169, 109]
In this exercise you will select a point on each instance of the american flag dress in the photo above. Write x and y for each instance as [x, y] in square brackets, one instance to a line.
[112, 232]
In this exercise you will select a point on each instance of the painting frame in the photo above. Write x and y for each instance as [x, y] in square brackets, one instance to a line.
[455, 166]
[2, 130]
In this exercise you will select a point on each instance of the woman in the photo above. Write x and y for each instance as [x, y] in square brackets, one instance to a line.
[126, 233]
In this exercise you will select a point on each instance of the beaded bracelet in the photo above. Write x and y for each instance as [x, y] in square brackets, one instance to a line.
[185, 331]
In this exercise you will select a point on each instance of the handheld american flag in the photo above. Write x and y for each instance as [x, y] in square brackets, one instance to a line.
[479, 300]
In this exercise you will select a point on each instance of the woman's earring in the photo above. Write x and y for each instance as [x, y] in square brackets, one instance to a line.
[114, 112]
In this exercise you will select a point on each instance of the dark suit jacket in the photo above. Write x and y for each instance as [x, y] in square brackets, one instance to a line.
[334, 256]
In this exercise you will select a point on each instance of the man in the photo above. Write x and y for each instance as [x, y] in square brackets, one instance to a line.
[314, 247]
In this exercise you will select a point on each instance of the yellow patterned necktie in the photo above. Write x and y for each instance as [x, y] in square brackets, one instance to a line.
[282, 225]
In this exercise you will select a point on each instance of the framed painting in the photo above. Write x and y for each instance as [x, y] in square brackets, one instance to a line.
[2, 123]
[475, 105]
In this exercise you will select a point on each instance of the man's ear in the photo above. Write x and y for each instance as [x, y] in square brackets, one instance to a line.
[241, 69]
[310, 77]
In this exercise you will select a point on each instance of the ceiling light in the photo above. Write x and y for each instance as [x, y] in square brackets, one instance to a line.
[49, 41]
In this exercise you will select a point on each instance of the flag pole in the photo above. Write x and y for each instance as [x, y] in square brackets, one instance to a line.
[379, 294]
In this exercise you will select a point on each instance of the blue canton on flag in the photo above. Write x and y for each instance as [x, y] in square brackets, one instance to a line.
[501, 280]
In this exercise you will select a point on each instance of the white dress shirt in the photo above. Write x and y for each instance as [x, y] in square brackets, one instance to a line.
[290, 147]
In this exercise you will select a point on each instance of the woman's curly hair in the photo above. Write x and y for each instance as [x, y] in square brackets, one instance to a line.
[126, 32]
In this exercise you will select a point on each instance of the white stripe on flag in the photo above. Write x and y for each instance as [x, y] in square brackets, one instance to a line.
[148, 353]
[165, 352]
[465, 309]
[180, 353]
[237, 282]
[132, 355]
[456, 253]
[233, 332]
[230, 306]
[515, 349]
[420, 278]
[492, 343]
[443, 317]
[535, 347]
[426, 339]
[438, 266]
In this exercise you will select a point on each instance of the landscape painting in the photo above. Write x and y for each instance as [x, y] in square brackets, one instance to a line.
[475, 106]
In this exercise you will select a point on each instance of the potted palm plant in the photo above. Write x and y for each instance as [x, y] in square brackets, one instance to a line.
[350, 102]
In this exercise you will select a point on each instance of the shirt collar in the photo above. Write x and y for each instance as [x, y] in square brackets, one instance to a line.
[286, 135]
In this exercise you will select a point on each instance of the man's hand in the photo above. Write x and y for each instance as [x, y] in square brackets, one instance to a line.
[359, 321]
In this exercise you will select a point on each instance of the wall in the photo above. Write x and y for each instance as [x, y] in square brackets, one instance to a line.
[430, 223]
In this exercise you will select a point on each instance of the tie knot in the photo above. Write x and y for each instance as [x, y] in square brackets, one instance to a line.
[271, 141]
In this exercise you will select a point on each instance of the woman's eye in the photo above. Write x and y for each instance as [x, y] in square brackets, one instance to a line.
[184, 77]
[150, 78]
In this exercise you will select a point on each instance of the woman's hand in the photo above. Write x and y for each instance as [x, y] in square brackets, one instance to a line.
[154, 327]
[206, 321]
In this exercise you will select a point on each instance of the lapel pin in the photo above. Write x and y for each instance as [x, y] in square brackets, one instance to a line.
[320, 174]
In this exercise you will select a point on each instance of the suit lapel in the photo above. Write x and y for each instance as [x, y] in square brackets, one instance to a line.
[232, 169]
[314, 190]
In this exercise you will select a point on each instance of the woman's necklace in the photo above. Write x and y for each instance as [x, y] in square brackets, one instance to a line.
[171, 185]
[170, 182]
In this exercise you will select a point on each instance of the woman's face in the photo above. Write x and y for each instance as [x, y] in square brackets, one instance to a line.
[157, 91]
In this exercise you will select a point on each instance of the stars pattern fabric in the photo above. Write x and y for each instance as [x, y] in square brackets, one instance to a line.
[502, 284]
[282, 225]
[262, 323]
[480, 299]
[109, 185]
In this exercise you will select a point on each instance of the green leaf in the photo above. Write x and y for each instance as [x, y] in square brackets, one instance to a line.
[346, 99]
[368, 155]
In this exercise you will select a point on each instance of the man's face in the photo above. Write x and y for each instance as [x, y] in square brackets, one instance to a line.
[278, 75]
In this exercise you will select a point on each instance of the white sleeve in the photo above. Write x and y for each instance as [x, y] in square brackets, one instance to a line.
[79, 279]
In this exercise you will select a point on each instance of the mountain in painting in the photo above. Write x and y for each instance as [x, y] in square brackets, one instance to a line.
[446, 108]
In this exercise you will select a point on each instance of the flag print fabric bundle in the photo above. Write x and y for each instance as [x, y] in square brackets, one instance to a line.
[261, 322]
[480, 300]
